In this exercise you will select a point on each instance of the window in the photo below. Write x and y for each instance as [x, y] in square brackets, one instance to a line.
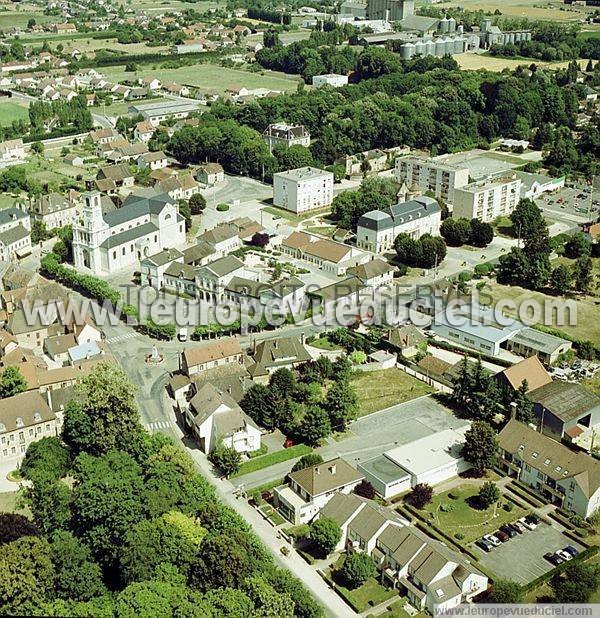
[546, 462]
[534, 455]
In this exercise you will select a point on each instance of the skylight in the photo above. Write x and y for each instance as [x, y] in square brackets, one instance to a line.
[546, 462]
[534, 455]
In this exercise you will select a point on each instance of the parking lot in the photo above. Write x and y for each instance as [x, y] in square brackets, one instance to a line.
[567, 205]
[521, 559]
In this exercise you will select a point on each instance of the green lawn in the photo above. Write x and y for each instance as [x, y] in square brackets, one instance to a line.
[322, 343]
[8, 503]
[463, 518]
[209, 76]
[10, 111]
[377, 390]
[252, 465]
[396, 610]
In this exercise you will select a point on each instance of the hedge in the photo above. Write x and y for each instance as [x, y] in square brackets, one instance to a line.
[446, 345]
[525, 495]
[586, 554]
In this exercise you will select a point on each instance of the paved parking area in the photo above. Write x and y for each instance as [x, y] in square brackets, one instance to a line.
[521, 559]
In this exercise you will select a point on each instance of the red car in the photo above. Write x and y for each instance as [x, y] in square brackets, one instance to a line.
[502, 536]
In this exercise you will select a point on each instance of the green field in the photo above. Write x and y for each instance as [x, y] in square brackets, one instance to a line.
[9, 18]
[378, 390]
[10, 111]
[258, 463]
[208, 76]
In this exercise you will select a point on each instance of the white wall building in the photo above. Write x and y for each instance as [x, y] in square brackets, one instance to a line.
[376, 230]
[143, 226]
[303, 189]
[431, 175]
[330, 79]
[286, 135]
[487, 199]
[15, 234]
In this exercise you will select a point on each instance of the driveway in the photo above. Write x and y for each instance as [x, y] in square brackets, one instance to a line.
[521, 559]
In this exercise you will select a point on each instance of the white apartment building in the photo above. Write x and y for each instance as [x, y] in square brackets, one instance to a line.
[303, 189]
[431, 175]
[15, 234]
[487, 199]
[330, 79]
[286, 135]
[377, 229]
[142, 227]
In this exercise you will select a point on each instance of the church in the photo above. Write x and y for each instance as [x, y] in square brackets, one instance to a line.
[143, 226]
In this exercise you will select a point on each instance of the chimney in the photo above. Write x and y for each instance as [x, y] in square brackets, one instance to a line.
[302, 338]
[332, 469]
[317, 470]
[513, 410]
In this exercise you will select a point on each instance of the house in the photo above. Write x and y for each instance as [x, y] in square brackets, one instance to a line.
[535, 185]
[189, 47]
[181, 279]
[163, 110]
[66, 28]
[152, 83]
[111, 177]
[331, 256]
[282, 134]
[566, 411]
[15, 234]
[529, 370]
[370, 161]
[153, 160]
[377, 229]
[310, 489]
[374, 273]
[223, 239]
[144, 131]
[53, 210]
[31, 334]
[57, 347]
[12, 150]
[212, 278]
[272, 354]
[215, 354]
[143, 226]
[302, 189]
[176, 89]
[25, 418]
[403, 467]
[330, 79]
[179, 187]
[210, 174]
[74, 159]
[153, 267]
[406, 339]
[567, 478]
[104, 136]
[214, 417]
[8, 343]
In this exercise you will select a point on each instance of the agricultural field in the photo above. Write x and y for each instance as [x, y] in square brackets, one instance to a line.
[208, 76]
[19, 17]
[473, 62]
[10, 111]
[554, 10]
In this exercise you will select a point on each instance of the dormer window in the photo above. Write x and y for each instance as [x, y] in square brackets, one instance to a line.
[2, 427]
[19, 422]
[534, 455]
[546, 462]
[37, 417]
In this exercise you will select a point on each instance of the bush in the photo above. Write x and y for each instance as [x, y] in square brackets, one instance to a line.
[222, 207]
[421, 495]
[459, 536]
[357, 568]
[508, 506]
[446, 508]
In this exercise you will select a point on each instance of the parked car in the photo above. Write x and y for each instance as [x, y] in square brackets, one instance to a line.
[502, 536]
[530, 525]
[571, 550]
[553, 558]
[507, 529]
[519, 526]
[485, 545]
[495, 541]
[565, 555]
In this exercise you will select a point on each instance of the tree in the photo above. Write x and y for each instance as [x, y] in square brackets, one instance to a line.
[226, 459]
[561, 279]
[267, 601]
[482, 233]
[357, 568]
[50, 503]
[525, 408]
[325, 534]
[307, 461]
[186, 213]
[456, 232]
[421, 494]
[505, 591]
[197, 203]
[488, 494]
[481, 447]
[13, 526]
[12, 382]
[305, 605]
[229, 601]
[576, 584]
[78, 577]
[527, 219]
[314, 426]
[365, 489]
[39, 232]
[37, 147]
[47, 457]
[159, 598]
[282, 383]
[578, 245]
[271, 38]
[293, 157]
[259, 239]
[262, 406]
[582, 272]
[105, 415]
[341, 404]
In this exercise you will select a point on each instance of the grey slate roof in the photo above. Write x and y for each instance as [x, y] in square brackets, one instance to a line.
[399, 214]
[136, 206]
[567, 401]
[11, 214]
[128, 235]
[9, 237]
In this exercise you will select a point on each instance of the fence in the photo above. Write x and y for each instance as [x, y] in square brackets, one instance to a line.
[444, 388]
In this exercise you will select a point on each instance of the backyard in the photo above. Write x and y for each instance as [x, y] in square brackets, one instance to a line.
[456, 512]
[378, 390]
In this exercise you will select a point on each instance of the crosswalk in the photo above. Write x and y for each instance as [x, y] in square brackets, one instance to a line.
[156, 425]
[124, 337]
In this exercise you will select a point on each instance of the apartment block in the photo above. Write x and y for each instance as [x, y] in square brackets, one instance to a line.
[303, 189]
[431, 175]
[487, 199]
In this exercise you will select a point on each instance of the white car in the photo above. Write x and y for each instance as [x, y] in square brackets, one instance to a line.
[565, 555]
[494, 540]
[528, 524]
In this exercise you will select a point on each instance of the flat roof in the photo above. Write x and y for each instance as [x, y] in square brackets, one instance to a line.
[481, 163]
[303, 173]
[431, 452]
[383, 469]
